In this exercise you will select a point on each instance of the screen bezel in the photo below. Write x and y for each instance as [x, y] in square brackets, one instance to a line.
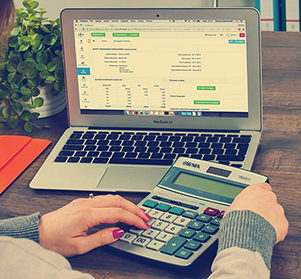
[253, 122]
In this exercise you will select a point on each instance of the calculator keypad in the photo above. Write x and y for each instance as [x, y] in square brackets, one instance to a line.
[174, 230]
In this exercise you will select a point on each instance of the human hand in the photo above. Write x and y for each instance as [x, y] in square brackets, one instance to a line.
[260, 199]
[65, 230]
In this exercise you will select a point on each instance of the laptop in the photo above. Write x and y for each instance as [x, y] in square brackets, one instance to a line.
[146, 86]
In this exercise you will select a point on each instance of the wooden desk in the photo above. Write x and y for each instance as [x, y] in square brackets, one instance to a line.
[279, 157]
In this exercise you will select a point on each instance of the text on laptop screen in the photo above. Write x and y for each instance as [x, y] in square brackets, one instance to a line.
[162, 67]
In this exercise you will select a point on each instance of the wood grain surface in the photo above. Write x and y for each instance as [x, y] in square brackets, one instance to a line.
[279, 157]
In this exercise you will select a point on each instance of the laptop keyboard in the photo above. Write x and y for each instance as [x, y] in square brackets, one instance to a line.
[152, 148]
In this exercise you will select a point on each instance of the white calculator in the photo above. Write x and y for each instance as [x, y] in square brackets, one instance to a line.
[186, 208]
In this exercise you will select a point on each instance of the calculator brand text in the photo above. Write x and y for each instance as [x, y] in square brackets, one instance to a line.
[191, 164]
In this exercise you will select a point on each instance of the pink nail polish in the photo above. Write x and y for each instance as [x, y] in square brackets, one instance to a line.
[118, 233]
[149, 217]
[147, 224]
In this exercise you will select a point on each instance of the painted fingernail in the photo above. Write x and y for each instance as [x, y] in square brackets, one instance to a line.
[118, 233]
[149, 217]
[147, 224]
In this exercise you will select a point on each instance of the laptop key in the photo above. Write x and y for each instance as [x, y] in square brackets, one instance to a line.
[73, 159]
[66, 153]
[73, 147]
[75, 141]
[61, 159]
[230, 158]
[103, 160]
[86, 160]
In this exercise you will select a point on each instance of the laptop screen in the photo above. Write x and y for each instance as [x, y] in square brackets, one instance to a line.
[169, 67]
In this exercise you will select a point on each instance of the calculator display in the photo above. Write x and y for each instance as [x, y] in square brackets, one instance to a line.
[207, 185]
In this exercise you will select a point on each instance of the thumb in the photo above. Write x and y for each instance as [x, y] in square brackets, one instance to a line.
[100, 238]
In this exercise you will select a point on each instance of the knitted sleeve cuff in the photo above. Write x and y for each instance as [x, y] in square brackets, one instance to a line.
[248, 230]
[21, 227]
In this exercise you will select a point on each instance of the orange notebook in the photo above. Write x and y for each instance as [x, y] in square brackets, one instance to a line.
[16, 153]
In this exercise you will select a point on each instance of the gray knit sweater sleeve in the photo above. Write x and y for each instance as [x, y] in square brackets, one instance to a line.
[21, 227]
[248, 230]
[245, 247]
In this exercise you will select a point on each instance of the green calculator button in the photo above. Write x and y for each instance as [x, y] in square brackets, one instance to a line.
[216, 221]
[187, 233]
[150, 203]
[173, 245]
[204, 218]
[184, 254]
[176, 210]
[210, 229]
[196, 225]
[190, 214]
[163, 207]
[201, 236]
[193, 245]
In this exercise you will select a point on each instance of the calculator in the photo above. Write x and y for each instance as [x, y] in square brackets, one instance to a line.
[186, 207]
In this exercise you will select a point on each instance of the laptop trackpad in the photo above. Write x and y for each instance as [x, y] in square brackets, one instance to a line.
[131, 179]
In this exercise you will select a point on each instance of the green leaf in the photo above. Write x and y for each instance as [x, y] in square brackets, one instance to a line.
[35, 92]
[25, 39]
[50, 39]
[13, 41]
[58, 86]
[13, 122]
[30, 62]
[34, 115]
[37, 46]
[42, 57]
[28, 127]
[16, 31]
[54, 92]
[59, 74]
[31, 73]
[34, 4]
[59, 53]
[38, 102]
[6, 112]
[32, 83]
[44, 74]
[11, 67]
[25, 90]
[23, 48]
[4, 93]
[16, 96]
[26, 5]
[45, 29]
[15, 87]
[27, 55]
[11, 78]
[30, 106]
[17, 107]
[50, 79]
[41, 67]
[51, 66]
[50, 55]
[21, 67]
[26, 115]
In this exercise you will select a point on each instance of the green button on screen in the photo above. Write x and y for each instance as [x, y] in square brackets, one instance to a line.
[98, 34]
[206, 102]
[206, 87]
[125, 34]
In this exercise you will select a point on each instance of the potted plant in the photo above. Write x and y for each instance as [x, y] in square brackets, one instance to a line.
[33, 61]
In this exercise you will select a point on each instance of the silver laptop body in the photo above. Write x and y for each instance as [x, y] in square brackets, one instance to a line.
[192, 73]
